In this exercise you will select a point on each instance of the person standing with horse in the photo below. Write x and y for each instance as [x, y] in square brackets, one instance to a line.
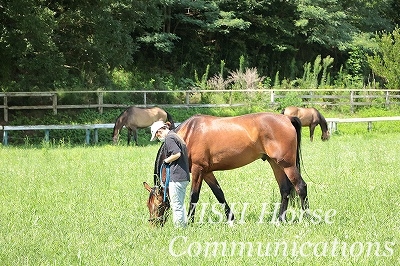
[178, 163]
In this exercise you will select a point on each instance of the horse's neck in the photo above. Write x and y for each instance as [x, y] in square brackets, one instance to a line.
[121, 121]
[323, 123]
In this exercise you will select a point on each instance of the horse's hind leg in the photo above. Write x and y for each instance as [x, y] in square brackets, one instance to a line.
[289, 178]
[300, 186]
[135, 136]
[285, 188]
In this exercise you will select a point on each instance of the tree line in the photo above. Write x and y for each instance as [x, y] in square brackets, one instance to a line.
[180, 44]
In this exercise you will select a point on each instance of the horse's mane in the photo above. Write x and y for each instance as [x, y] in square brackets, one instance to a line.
[121, 119]
[171, 120]
[323, 123]
[157, 164]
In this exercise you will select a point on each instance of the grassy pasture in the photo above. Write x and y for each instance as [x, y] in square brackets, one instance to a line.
[86, 206]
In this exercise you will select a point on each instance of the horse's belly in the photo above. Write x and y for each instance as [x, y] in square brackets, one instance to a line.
[225, 159]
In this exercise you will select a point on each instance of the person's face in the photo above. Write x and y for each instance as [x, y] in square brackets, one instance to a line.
[161, 133]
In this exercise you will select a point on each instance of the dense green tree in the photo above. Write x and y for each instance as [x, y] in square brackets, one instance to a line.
[95, 37]
[29, 55]
[386, 60]
[72, 43]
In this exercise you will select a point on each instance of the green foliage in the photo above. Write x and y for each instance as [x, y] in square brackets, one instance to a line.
[202, 82]
[123, 44]
[228, 21]
[290, 99]
[277, 82]
[316, 75]
[163, 42]
[386, 60]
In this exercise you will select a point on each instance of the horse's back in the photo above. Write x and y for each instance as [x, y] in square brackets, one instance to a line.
[145, 117]
[291, 110]
[307, 116]
[230, 142]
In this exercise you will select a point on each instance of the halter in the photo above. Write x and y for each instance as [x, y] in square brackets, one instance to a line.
[165, 185]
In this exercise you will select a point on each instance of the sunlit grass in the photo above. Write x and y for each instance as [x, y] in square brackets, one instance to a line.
[86, 206]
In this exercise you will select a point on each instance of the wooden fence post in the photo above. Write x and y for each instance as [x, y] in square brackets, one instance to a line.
[5, 108]
[54, 103]
[100, 101]
[352, 101]
[187, 98]
[387, 101]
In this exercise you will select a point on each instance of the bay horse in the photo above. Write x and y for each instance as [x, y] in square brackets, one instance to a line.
[135, 118]
[224, 143]
[309, 117]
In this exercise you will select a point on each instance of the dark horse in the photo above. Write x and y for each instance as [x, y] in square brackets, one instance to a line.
[309, 117]
[134, 118]
[230, 142]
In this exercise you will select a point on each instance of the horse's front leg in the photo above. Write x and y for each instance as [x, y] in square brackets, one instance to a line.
[129, 135]
[197, 180]
[312, 129]
[219, 194]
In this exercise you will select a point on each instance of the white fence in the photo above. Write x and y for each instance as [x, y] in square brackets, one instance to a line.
[332, 126]
[333, 122]
[46, 128]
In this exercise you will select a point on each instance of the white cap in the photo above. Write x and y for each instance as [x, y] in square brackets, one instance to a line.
[154, 127]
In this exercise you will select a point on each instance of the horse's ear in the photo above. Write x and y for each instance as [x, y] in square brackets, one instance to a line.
[146, 186]
[168, 124]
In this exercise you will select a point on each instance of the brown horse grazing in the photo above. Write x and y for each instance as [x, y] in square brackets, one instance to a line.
[309, 117]
[134, 118]
[157, 206]
[230, 142]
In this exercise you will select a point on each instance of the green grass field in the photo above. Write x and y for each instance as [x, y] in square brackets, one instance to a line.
[86, 206]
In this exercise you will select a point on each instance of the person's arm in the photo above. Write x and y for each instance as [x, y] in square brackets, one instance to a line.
[173, 157]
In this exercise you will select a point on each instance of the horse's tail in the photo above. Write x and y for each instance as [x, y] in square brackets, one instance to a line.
[157, 164]
[297, 125]
[171, 120]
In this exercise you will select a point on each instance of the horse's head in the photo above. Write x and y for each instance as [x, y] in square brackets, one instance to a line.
[325, 135]
[157, 206]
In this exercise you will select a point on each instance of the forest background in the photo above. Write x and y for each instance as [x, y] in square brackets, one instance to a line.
[189, 44]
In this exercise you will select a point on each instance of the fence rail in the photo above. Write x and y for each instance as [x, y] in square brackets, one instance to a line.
[333, 122]
[188, 99]
[332, 126]
[88, 128]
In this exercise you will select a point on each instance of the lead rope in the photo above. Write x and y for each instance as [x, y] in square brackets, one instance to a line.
[167, 177]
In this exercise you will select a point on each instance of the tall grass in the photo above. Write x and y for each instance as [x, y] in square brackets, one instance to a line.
[86, 206]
